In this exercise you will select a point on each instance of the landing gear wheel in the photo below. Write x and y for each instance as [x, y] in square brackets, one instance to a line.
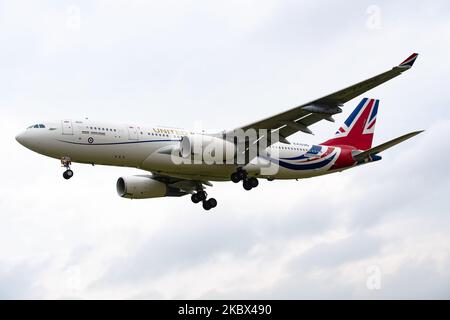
[206, 205]
[195, 198]
[254, 182]
[247, 185]
[212, 202]
[202, 195]
[235, 177]
[209, 204]
[199, 196]
[68, 174]
[241, 174]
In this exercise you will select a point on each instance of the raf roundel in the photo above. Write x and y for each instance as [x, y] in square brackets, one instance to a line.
[91, 140]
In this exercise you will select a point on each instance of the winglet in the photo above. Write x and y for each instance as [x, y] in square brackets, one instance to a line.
[408, 63]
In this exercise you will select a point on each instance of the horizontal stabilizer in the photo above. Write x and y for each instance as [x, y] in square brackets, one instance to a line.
[365, 154]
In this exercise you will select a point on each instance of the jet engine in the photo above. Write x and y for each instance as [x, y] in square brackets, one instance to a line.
[207, 148]
[144, 187]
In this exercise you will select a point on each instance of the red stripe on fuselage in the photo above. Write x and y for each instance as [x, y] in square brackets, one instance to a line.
[345, 158]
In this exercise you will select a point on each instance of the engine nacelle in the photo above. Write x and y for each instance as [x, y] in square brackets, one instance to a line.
[207, 148]
[144, 187]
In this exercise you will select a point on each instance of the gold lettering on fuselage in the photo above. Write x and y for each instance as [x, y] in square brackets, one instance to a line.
[171, 131]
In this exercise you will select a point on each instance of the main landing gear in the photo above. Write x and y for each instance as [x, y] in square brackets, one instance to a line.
[247, 183]
[201, 196]
[66, 162]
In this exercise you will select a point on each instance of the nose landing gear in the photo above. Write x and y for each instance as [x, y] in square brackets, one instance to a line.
[202, 196]
[68, 174]
[66, 162]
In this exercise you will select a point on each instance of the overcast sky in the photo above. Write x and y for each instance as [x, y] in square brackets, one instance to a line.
[378, 231]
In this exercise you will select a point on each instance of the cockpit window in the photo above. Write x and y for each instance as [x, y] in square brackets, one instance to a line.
[37, 126]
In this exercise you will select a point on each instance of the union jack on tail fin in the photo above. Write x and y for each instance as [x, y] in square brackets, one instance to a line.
[357, 131]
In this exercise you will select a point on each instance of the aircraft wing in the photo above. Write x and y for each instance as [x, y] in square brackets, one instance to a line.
[303, 116]
[185, 184]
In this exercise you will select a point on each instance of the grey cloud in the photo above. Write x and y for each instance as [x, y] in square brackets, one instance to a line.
[179, 247]
[353, 248]
[417, 280]
[18, 281]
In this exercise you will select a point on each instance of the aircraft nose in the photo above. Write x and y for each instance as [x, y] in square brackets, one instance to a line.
[20, 138]
[24, 139]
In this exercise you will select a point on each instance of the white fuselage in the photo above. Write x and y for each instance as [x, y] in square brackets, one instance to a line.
[148, 148]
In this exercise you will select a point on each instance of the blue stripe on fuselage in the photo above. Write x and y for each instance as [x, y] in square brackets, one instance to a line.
[116, 143]
[314, 150]
[298, 166]
[303, 166]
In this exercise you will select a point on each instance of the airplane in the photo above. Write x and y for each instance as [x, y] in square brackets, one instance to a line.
[177, 168]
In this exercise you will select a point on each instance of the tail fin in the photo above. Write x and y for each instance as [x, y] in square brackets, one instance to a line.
[358, 129]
